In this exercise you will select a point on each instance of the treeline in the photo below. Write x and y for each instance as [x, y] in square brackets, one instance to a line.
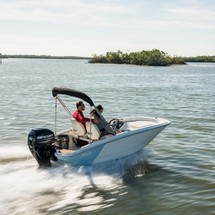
[200, 59]
[154, 57]
[42, 57]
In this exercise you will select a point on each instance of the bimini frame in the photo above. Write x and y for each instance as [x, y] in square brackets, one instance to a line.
[74, 93]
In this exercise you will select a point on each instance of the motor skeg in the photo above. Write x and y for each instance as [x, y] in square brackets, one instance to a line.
[40, 143]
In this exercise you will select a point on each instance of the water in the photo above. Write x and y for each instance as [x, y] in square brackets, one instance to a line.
[174, 174]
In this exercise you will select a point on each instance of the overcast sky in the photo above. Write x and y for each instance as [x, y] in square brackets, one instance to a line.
[86, 27]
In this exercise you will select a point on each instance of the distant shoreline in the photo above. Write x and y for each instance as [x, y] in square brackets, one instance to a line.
[43, 57]
[104, 60]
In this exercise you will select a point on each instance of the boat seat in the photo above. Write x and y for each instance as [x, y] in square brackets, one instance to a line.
[92, 131]
[78, 128]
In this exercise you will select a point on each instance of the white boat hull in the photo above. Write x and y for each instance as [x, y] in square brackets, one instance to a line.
[118, 146]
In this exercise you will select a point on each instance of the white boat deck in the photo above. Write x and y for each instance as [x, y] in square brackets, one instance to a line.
[133, 125]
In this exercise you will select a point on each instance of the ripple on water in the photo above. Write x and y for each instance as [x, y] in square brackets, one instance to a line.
[178, 177]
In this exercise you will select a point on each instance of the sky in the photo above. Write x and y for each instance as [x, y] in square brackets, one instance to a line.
[87, 27]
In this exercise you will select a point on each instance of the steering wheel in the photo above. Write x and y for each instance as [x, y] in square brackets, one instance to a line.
[114, 123]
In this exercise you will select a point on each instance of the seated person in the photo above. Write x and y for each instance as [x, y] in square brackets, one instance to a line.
[94, 113]
[96, 117]
[78, 114]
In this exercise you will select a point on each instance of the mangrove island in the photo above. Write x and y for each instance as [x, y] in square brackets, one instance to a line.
[154, 57]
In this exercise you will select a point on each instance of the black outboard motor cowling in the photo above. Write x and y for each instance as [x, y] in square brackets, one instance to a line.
[40, 143]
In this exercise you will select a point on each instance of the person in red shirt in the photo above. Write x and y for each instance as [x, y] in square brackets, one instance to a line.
[78, 114]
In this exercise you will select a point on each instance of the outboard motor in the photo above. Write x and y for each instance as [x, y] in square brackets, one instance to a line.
[40, 143]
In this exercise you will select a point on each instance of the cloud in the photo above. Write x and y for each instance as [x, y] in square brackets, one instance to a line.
[96, 26]
[108, 13]
[56, 11]
[193, 13]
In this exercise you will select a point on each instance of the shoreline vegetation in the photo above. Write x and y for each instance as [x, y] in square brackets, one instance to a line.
[42, 57]
[153, 57]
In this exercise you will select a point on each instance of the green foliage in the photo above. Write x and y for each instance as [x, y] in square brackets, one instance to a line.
[200, 59]
[154, 57]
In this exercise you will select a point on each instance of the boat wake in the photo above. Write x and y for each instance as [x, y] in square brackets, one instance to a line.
[63, 187]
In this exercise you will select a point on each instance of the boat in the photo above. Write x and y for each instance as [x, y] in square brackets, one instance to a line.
[87, 146]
